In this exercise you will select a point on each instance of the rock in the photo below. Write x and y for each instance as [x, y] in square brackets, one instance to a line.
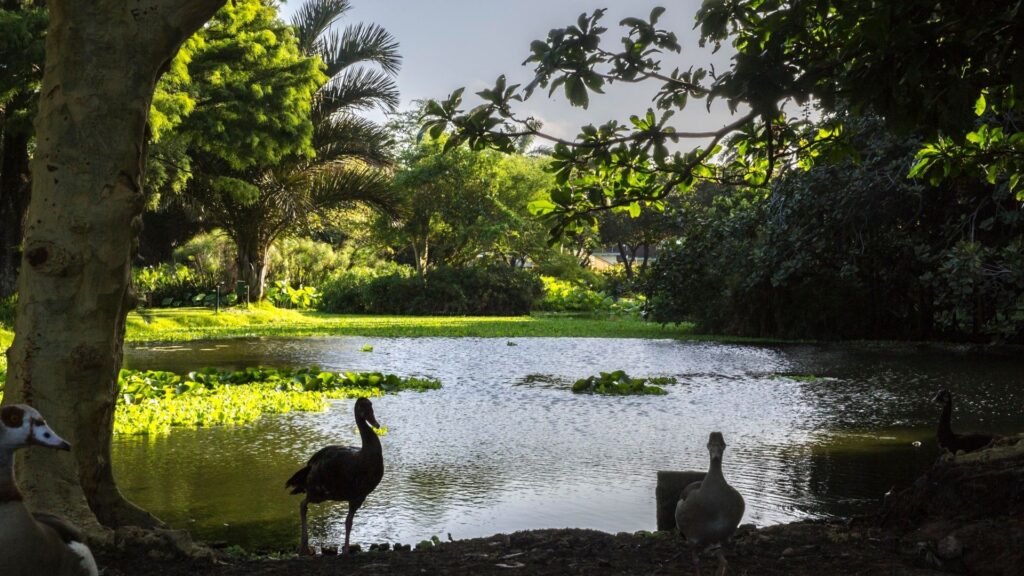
[950, 548]
[789, 552]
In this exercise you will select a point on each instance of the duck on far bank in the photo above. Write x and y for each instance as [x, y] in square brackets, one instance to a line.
[341, 473]
[950, 440]
[709, 511]
[34, 544]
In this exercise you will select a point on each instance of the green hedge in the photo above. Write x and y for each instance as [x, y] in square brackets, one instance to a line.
[476, 291]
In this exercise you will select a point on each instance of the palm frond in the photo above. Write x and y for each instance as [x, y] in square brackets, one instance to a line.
[360, 43]
[347, 184]
[346, 136]
[313, 18]
[357, 89]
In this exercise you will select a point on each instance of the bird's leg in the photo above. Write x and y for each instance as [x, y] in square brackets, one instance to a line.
[696, 562]
[348, 526]
[722, 564]
[304, 549]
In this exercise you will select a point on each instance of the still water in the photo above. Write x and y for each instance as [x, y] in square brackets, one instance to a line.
[505, 445]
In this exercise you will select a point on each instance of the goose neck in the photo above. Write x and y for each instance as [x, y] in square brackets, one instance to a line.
[370, 440]
[715, 470]
[945, 429]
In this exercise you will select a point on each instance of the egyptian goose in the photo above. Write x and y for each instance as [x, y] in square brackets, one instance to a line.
[709, 511]
[341, 473]
[950, 440]
[34, 544]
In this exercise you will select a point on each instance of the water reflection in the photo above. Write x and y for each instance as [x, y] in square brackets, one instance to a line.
[505, 445]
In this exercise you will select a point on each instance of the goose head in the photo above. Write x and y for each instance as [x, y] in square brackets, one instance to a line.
[364, 411]
[22, 426]
[942, 397]
[716, 446]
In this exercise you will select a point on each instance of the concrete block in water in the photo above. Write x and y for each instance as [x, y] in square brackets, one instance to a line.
[670, 486]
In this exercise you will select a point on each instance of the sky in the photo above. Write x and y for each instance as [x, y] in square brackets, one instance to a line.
[447, 44]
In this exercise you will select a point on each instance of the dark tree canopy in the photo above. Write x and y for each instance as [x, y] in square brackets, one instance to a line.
[950, 70]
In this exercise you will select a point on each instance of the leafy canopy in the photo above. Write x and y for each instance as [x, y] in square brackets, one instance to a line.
[928, 65]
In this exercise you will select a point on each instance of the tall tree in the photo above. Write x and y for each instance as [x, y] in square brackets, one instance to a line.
[103, 60]
[867, 56]
[342, 159]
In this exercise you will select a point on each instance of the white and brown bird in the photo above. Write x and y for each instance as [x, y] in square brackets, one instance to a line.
[709, 511]
[34, 544]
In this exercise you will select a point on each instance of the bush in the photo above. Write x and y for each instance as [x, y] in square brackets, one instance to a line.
[7, 308]
[304, 262]
[174, 285]
[478, 290]
[210, 255]
[565, 296]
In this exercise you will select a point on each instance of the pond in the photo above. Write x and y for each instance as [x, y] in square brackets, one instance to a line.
[506, 446]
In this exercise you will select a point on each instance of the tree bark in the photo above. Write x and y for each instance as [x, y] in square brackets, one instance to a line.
[103, 59]
[251, 263]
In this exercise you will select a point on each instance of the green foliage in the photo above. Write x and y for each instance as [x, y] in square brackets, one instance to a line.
[273, 141]
[564, 296]
[304, 262]
[462, 204]
[475, 290]
[22, 34]
[8, 307]
[176, 324]
[153, 402]
[282, 295]
[618, 383]
[848, 249]
[241, 90]
[853, 58]
[176, 285]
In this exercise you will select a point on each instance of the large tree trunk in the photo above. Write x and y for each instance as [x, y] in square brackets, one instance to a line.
[103, 58]
[251, 263]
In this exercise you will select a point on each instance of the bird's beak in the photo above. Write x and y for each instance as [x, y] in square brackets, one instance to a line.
[373, 421]
[42, 435]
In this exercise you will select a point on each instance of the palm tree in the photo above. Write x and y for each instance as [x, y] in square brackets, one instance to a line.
[352, 160]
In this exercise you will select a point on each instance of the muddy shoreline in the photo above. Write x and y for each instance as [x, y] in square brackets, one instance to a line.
[965, 516]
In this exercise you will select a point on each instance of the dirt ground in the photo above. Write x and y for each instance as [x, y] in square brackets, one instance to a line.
[966, 516]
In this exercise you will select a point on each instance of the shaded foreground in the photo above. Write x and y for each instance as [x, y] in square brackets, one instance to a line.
[965, 516]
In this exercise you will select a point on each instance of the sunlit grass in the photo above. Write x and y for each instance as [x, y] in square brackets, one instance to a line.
[202, 323]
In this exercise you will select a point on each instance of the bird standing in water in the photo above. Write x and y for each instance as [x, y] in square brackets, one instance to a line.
[341, 473]
[950, 440]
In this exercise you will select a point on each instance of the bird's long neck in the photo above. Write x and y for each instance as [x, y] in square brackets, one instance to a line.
[371, 443]
[714, 475]
[945, 429]
[8, 489]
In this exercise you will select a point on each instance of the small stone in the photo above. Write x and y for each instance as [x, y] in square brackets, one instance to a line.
[949, 548]
[789, 552]
[604, 563]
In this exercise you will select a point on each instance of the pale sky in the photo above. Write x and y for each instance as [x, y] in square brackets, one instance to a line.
[446, 44]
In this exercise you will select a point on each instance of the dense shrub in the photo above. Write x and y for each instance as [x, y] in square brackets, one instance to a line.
[476, 290]
[564, 296]
[175, 285]
[848, 249]
[304, 262]
[7, 308]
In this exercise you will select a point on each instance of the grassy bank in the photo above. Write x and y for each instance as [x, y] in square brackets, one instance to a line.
[202, 323]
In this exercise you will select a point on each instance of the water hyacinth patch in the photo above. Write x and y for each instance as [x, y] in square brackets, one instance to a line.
[153, 402]
[619, 383]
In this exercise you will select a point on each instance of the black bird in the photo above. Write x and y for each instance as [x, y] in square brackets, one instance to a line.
[341, 473]
[952, 441]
